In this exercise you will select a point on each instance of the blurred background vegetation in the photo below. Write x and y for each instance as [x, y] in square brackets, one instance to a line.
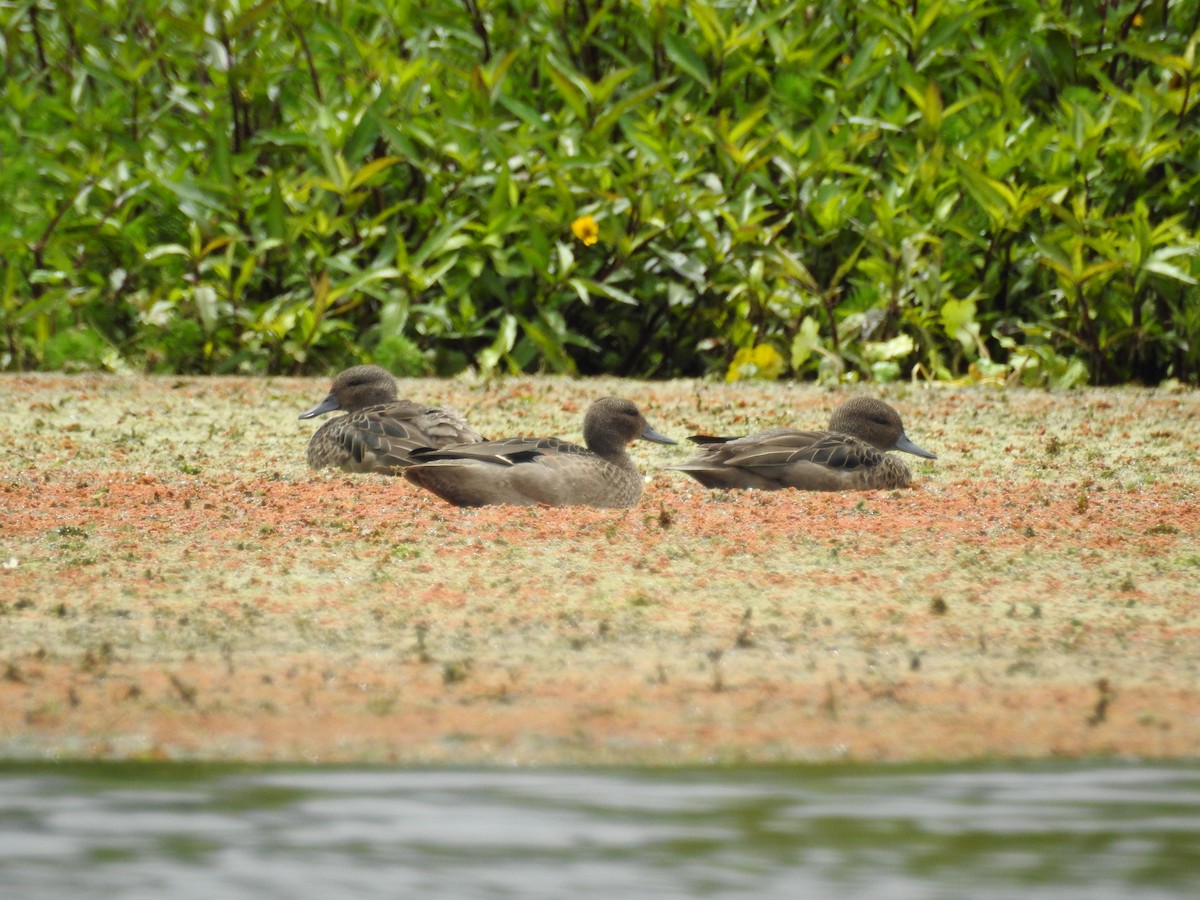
[1001, 190]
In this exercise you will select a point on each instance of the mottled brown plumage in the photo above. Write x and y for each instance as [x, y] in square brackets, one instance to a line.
[850, 456]
[548, 471]
[378, 433]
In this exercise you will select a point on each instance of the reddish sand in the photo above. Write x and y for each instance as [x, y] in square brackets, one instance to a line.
[176, 584]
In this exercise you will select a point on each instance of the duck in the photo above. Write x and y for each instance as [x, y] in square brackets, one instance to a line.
[851, 456]
[379, 432]
[548, 471]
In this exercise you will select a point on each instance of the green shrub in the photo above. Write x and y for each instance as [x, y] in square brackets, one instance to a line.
[966, 189]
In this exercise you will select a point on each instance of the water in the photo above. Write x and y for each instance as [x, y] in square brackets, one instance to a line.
[1065, 831]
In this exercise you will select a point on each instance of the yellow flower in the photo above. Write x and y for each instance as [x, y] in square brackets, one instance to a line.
[586, 229]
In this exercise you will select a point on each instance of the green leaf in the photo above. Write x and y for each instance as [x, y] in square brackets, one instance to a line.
[957, 315]
[204, 298]
[440, 241]
[398, 140]
[359, 280]
[374, 167]
[506, 336]
[709, 22]
[680, 52]
[548, 333]
[806, 342]
[195, 199]
[614, 111]
[570, 87]
[1159, 266]
[601, 289]
[898, 347]
[165, 250]
[762, 362]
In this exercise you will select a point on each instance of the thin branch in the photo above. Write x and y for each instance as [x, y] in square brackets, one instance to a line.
[235, 102]
[1126, 26]
[38, 248]
[43, 65]
[308, 57]
[480, 27]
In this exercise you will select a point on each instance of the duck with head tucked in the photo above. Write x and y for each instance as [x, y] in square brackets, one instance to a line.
[378, 432]
[850, 456]
[527, 471]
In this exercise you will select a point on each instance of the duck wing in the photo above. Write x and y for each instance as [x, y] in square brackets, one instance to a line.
[783, 458]
[783, 447]
[505, 452]
[382, 438]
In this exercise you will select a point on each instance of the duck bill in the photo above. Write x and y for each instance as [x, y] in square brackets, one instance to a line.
[649, 434]
[329, 404]
[903, 443]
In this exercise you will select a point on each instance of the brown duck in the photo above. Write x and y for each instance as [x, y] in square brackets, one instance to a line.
[526, 471]
[850, 456]
[378, 432]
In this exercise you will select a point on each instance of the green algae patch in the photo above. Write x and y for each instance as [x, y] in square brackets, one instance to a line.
[1031, 596]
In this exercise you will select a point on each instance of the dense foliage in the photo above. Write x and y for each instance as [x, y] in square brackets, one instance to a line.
[1000, 189]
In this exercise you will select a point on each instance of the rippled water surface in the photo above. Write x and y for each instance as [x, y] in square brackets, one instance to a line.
[167, 831]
